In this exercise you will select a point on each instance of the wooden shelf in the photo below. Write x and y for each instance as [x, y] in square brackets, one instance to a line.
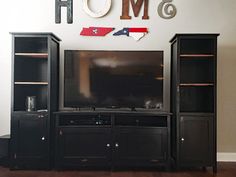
[191, 113]
[34, 55]
[159, 78]
[196, 84]
[31, 83]
[196, 55]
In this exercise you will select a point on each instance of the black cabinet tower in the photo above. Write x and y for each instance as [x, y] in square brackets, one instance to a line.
[193, 99]
[35, 61]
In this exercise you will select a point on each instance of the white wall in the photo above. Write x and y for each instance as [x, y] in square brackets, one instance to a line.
[201, 16]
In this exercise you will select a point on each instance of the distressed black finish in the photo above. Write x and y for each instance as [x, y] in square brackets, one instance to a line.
[35, 62]
[112, 140]
[69, 5]
[193, 99]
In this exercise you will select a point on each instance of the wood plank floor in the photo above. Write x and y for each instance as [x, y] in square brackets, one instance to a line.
[224, 170]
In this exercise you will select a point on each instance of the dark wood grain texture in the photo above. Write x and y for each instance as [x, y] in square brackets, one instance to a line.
[224, 170]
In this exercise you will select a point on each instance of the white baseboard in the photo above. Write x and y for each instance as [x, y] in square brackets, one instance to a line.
[226, 157]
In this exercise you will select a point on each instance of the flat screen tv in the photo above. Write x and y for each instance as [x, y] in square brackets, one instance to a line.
[113, 79]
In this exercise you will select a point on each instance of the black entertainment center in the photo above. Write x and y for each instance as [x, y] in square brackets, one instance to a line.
[114, 114]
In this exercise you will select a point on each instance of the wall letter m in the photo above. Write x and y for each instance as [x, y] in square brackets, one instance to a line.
[136, 6]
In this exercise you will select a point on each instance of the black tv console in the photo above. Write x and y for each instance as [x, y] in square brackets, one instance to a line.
[112, 139]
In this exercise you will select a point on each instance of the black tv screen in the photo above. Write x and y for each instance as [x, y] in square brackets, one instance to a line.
[113, 79]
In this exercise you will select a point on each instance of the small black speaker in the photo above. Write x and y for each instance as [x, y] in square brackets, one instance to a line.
[4, 150]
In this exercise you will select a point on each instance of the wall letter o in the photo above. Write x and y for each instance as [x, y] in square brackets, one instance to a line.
[97, 14]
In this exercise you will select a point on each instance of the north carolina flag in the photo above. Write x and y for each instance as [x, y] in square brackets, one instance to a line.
[96, 31]
[136, 33]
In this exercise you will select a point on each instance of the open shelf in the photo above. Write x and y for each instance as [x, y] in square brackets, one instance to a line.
[30, 71]
[85, 120]
[144, 121]
[197, 99]
[22, 91]
[31, 45]
[195, 46]
[197, 70]
[27, 70]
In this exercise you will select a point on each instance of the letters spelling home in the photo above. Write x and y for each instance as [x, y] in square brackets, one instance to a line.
[165, 9]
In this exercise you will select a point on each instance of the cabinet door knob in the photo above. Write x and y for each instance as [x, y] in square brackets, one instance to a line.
[182, 139]
[60, 132]
[40, 116]
[116, 145]
[108, 145]
[43, 138]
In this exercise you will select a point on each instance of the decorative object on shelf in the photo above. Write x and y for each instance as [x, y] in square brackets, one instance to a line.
[167, 10]
[97, 14]
[136, 33]
[30, 103]
[96, 31]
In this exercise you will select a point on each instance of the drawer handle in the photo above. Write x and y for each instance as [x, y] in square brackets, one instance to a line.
[43, 138]
[116, 145]
[108, 145]
[154, 160]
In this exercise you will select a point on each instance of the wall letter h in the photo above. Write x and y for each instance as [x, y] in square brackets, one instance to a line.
[69, 5]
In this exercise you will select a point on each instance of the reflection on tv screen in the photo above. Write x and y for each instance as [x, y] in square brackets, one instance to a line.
[103, 79]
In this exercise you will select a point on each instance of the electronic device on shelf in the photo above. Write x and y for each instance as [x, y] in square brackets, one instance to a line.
[88, 120]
